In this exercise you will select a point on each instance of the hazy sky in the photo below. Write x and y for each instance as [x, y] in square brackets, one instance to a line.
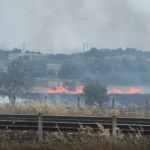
[54, 26]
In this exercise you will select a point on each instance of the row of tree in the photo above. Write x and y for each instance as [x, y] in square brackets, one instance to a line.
[102, 53]
[93, 52]
[18, 77]
[124, 74]
[4, 54]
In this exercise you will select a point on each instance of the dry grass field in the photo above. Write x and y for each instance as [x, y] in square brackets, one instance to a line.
[85, 139]
[47, 108]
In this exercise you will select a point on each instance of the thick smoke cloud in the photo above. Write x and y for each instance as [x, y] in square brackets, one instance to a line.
[125, 25]
[53, 26]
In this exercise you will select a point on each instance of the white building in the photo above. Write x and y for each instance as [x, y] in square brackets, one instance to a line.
[36, 56]
[4, 69]
[55, 67]
[31, 56]
[127, 57]
[13, 56]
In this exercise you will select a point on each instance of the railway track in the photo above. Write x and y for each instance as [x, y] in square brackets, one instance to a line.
[72, 123]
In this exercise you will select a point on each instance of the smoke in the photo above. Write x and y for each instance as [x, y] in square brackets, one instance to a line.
[54, 26]
[125, 25]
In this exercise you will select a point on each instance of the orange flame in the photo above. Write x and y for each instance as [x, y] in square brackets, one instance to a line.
[131, 90]
[60, 89]
[117, 91]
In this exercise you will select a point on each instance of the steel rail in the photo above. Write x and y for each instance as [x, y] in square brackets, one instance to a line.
[33, 122]
[81, 121]
[78, 121]
[67, 118]
[72, 123]
[74, 129]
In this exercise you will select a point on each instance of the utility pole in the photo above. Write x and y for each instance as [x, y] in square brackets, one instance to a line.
[97, 64]
[87, 46]
[83, 47]
[23, 50]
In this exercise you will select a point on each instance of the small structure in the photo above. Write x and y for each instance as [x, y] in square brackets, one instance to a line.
[13, 56]
[70, 85]
[29, 56]
[55, 67]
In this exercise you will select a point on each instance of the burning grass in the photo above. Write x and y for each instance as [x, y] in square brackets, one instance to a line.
[47, 108]
[60, 89]
[84, 139]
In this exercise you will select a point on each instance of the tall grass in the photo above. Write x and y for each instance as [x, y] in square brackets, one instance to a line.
[47, 108]
[86, 139]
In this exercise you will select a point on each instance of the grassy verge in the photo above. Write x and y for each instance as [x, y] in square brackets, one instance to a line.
[86, 139]
[58, 109]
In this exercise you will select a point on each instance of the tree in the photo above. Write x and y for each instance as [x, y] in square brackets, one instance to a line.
[26, 57]
[94, 91]
[51, 73]
[141, 68]
[17, 78]
[16, 50]
[70, 70]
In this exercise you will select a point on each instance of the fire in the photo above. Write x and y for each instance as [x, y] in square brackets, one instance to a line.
[134, 90]
[116, 91]
[131, 90]
[61, 89]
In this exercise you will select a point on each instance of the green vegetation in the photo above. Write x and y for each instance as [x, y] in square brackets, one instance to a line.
[134, 63]
[18, 77]
[132, 68]
[95, 92]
